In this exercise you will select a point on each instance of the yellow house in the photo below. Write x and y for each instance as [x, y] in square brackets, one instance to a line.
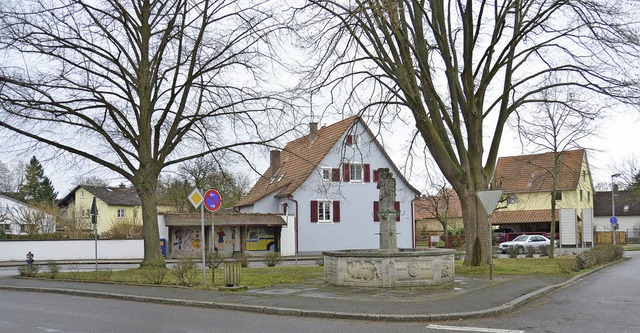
[114, 204]
[527, 182]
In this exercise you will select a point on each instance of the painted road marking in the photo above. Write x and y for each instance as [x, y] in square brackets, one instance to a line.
[471, 329]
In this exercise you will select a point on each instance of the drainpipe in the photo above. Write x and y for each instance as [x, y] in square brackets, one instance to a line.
[295, 227]
[413, 223]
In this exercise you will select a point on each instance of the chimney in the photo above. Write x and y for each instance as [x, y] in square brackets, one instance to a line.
[313, 131]
[274, 161]
[121, 185]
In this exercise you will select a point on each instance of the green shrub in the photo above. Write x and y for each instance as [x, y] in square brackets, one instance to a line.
[530, 251]
[599, 255]
[2, 234]
[54, 269]
[272, 259]
[123, 229]
[513, 251]
[243, 258]
[154, 274]
[28, 271]
[213, 260]
[544, 250]
[185, 271]
[103, 275]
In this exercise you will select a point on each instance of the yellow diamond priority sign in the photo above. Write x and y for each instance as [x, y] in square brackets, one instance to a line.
[195, 198]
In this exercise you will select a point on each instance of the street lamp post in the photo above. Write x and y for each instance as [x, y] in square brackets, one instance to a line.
[613, 208]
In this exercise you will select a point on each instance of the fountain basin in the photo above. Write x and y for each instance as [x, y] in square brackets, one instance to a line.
[390, 268]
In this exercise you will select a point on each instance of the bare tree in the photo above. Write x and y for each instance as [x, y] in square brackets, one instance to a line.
[629, 169]
[137, 86]
[32, 221]
[563, 120]
[461, 68]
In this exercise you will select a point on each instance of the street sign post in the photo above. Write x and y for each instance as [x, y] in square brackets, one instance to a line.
[489, 199]
[94, 221]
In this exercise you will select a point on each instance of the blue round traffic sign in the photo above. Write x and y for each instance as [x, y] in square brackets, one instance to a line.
[613, 220]
[212, 200]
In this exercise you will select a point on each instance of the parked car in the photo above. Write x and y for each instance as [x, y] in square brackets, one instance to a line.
[500, 235]
[523, 242]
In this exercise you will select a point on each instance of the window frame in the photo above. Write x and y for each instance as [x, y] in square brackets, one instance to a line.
[353, 173]
[121, 216]
[558, 196]
[326, 171]
[325, 210]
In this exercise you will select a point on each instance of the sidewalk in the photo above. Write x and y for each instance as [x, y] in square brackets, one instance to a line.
[469, 298]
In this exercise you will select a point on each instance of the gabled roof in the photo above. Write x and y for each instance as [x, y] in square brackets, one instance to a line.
[447, 204]
[112, 196]
[532, 173]
[225, 219]
[624, 199]
[301, 157]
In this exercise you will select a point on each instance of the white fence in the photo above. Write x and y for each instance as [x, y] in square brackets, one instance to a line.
[81, 249]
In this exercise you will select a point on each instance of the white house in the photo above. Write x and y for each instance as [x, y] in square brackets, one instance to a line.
[17, 218]
[324, 184]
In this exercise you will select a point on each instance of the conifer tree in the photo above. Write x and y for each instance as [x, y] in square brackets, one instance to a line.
[37, 187]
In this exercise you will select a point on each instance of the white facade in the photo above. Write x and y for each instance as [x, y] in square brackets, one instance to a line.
[14, 215]
[83, 249]
[356, 228]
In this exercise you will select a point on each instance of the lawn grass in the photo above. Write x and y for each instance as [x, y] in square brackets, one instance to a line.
[261, 277]
[520, 266]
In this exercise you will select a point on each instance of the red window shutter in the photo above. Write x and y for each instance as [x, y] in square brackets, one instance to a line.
[375, 176]
[314, 211]
[396, 207]
[335, 175]
[336, 211]
[346, 172]
[367, 173]
[349, 139]
[376, 210]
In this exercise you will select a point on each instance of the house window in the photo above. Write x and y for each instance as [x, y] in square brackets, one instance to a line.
[580, 195]
[120, 213]
[81, 194]
[376, 210]
[626, 208]
[325, 211]
[584, 175]
[356, 172]
[588, 196]
[135, 215]
[558, 195]
[326, 174]
[512, 199]
[7, 228]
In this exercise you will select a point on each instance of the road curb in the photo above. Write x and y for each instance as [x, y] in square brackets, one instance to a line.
[493, 311]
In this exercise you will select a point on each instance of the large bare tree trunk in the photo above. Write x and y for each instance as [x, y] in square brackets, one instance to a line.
[146, 187]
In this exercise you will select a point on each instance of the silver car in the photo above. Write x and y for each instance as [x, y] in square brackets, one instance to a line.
[523, 242]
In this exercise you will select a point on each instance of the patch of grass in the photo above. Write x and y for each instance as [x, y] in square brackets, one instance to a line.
[632, 247]
[521, 266]
[257, 277]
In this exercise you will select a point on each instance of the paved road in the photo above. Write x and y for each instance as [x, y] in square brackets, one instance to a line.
[42, 312]
[608, 301]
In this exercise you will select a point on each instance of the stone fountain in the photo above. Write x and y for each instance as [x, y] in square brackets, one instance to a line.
[389, 266]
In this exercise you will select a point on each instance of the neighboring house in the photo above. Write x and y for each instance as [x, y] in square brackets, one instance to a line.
[114, 204]
[431, 211]
[527, 182]
[19, 218]
[326, 181]
[627, 207]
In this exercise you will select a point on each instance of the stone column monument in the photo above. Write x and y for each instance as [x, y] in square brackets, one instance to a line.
[387, 212]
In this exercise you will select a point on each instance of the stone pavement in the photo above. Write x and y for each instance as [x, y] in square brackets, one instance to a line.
[469, 298]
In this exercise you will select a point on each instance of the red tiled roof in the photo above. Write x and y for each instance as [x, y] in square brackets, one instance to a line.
[523, 216]
[300, 158]
[225, 219]
[426, 207]
[532, 173]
